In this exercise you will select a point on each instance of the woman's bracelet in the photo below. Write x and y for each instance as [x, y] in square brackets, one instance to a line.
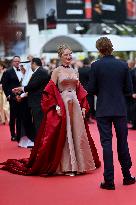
[57, 107]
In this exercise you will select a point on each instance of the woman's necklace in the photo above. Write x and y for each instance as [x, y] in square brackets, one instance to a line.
[65, 66]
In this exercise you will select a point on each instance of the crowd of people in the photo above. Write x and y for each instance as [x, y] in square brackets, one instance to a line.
[49, 101]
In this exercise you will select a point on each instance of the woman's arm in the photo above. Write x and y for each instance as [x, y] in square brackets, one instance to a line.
[54, 76]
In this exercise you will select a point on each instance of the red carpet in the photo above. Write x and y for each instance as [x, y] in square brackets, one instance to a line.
[63, 190]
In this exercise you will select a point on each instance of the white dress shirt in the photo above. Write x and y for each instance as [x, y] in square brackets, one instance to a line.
[36, 69]
[19, 74]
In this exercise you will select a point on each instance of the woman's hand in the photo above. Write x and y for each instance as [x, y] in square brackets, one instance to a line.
[58, 110]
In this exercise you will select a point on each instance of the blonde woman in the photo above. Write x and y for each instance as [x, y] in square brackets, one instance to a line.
[63, 144]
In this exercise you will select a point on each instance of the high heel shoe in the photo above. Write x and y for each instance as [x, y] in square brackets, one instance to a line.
[71, 174]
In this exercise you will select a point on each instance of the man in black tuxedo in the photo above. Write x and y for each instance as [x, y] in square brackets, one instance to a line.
[34, 89]
[84, 80]
[12, 78]
[110, 81]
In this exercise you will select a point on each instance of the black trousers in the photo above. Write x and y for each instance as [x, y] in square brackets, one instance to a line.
[15, 119]
[26, 119]
[37, 116]
[105, 129]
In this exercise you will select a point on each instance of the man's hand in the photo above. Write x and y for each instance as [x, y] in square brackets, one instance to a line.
[17, 90]
[134, 95]
[18, 98]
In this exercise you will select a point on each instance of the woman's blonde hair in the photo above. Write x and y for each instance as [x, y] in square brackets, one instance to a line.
[104, 46]
[61, 48]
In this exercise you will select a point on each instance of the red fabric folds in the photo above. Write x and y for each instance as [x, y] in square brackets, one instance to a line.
[46, 154]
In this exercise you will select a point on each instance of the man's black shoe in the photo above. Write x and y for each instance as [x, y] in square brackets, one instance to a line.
[30, 146]
[107, 185]
[129, 181]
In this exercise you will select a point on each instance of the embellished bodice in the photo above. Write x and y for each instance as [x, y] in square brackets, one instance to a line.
[67, 79]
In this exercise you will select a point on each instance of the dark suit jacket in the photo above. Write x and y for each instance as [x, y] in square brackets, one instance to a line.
[84, 76]
[110, 81]
[35, 87]
[9, 81]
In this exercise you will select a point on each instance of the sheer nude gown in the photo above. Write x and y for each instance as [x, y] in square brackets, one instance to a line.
[77, 155]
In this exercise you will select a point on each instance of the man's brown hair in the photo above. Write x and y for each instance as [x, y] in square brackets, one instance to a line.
[104, 46]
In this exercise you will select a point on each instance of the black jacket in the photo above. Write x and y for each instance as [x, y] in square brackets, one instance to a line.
[35, 87]
[84, 76]
[9, 81]
[110, 81]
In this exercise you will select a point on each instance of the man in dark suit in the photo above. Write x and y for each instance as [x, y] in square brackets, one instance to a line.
[110, 81]
[11, 79]
[34, 89]
[84, 80]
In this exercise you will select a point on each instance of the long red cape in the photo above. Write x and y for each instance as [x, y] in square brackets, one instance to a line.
[46, 154]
